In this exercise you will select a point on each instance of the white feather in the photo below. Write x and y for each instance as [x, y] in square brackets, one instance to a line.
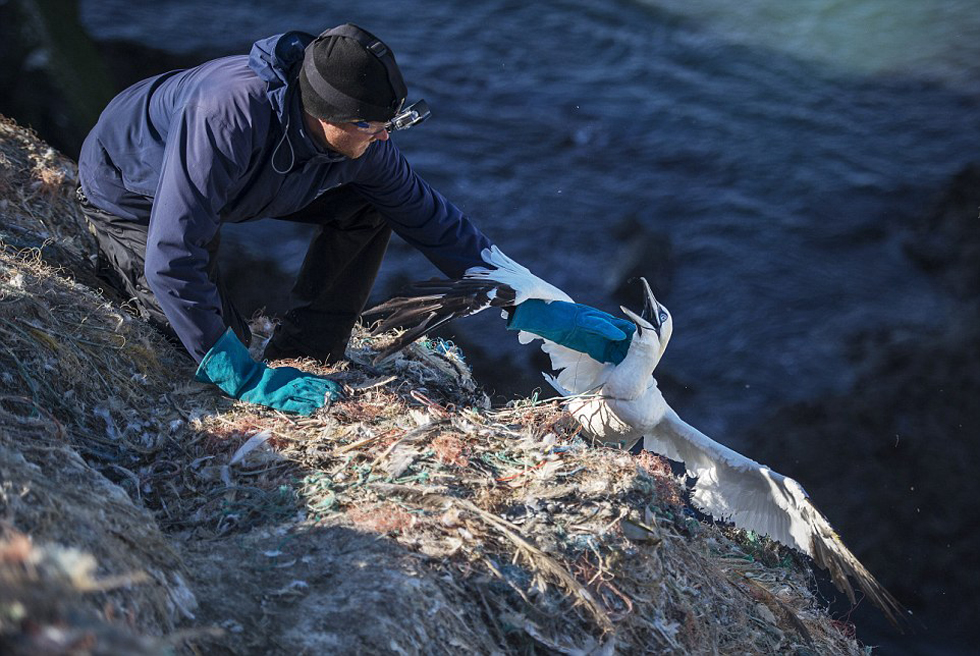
[624, 403]
[555, 384]
[735, 488]
[253, 443]
[519, 278]
[577, 372]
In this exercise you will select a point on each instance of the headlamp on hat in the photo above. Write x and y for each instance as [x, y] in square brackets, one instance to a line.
[414, 114]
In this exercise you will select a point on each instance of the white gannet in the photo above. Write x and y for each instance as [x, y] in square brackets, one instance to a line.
[616, 402]
[621, 403]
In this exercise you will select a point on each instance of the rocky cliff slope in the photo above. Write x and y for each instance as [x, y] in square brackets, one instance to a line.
[141, 512]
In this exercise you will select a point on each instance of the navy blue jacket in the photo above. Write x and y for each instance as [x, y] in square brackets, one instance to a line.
[188, 150]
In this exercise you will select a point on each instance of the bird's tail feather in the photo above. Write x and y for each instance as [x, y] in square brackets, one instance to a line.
[406, 312]
[430, 323]
[556, 385]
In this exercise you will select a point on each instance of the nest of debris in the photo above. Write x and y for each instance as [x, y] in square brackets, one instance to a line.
[550, 543]
[561, 543]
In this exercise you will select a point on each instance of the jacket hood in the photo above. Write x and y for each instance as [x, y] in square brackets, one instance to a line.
[276, 59]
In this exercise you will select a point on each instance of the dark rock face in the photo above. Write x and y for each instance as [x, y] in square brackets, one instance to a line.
[642, 252]
[906, 436]
[947, 243]
[52, 77]
[56, 80]
[127, 63]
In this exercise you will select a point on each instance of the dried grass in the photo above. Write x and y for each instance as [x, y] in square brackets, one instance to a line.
[552, 543]
[564, 544]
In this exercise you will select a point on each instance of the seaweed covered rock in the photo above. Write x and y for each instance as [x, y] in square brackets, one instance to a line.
[411, 517]
[51, 73]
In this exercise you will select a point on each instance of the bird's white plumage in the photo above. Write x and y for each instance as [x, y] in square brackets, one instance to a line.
[733, 487]
[622, 403]
[577, 372]
[508, 272]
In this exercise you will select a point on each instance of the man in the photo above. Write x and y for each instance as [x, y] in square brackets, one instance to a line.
[298, 131]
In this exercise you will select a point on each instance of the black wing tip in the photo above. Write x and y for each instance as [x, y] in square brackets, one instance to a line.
[406, 339]
[431, 303]
[845, 566]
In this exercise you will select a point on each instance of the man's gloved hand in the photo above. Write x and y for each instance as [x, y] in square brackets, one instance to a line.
[229, 366]
[598, 334]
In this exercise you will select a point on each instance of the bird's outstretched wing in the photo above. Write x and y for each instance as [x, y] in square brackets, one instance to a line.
[734, 488]
[503, 270]
[577, 372]
[433, 303]
[729, 486]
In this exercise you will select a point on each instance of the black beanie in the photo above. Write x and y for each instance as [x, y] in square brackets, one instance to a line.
[348, 74]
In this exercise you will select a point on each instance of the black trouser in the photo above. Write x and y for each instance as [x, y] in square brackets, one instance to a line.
[336, 278]
[334, 282]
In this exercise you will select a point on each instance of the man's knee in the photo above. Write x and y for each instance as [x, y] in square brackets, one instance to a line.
[372, 220]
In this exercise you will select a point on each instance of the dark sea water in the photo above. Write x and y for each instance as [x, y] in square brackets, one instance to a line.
[783, 150]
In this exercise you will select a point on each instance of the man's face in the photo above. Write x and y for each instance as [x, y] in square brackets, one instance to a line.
[345, 138]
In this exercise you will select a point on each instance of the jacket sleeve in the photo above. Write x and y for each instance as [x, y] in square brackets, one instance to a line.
[419, 213]
[203, 157]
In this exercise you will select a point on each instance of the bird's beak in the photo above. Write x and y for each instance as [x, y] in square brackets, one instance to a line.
[650, 317]
[641, 323]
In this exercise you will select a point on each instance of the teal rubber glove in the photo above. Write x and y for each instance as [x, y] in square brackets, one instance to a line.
[598, 334]
[229, 366]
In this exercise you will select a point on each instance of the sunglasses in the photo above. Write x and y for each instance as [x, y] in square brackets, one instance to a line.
[414, 114]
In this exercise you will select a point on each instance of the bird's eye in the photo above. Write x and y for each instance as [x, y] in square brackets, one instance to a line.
[663, 317]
